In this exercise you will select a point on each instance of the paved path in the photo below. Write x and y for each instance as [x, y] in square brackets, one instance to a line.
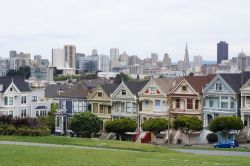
[213, 152]
[57, 145]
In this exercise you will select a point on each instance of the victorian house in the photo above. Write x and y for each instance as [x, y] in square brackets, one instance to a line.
[125, 100]
[186, 97]
[17, 99]
[71, 101]
[245, 104]
[153, 99]
[222, 96]
[100, 100]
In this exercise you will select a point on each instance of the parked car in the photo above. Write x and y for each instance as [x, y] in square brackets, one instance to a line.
[226, 144]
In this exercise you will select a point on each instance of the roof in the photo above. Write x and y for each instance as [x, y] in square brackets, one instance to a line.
[136, 86]
[17, 80]
[109, 88]
[52, 90]
[92, 83]
[79, 90]
[165, 84]
[234, 80]
[198, 82]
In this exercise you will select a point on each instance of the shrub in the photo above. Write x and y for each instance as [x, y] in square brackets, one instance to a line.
[27, 121]
[5, 119]
[23, 131]
[212, 138]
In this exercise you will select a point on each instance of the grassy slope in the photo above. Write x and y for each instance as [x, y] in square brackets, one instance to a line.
[141, 154]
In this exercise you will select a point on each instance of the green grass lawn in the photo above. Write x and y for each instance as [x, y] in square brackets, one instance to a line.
[135, 154]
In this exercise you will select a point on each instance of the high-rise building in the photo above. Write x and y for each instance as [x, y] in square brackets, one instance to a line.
[166, 60]
[124, 59]
[103, 63]
[94, 52]
[70, 56]
[58, 58]
[18, 60]
[134, 59]
[181, 65]
[197, 63]
[45, 62]
[186, 58]
[114, 54]
[242, 61]
[154, 57]
[222, 51]
[37, 60]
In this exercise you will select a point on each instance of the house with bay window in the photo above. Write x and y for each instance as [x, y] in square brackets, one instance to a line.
[71, 101]
[125, 100]
[245, 104]
[16, 98]
[186, 96]
[100, 101]
[222, 96]
[153, 98]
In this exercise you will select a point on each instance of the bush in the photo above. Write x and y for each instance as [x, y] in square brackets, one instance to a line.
[23, 131]
[155, 125]
[212, 138]
[5, 119]
[27, 121]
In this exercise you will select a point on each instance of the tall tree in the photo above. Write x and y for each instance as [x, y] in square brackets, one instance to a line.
[155, 125]
[120, 77]
[187, 124]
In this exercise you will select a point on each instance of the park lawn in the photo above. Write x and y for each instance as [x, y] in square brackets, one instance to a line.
[20, 155]
[112, 144]
[238, 149]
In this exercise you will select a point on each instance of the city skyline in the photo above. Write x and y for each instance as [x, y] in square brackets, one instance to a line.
[132, 26]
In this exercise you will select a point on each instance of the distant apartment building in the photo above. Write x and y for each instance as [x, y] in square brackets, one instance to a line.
[42, 73]
[37, 60]
[154, 57]
[4, 66]
[88, 64]
[19, 60]
[114, 58]
[134, 59]
[242, 61]
[124, 58]
[197, 63]
[181, 65]
[136, 69]
[222, 51]
[166, 60]
[103, 63]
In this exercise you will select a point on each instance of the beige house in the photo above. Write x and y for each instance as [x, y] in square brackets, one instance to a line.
[100, 100]
[153, 99]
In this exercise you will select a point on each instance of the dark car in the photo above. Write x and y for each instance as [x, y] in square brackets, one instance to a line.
[226, 144]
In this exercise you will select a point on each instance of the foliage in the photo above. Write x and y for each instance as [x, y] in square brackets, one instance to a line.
[187, 124]
[23, 131]
[85, 123]
[26, 121]
[225, 124]
[120, 126]
[212, 138]
[22, 71]
[76, 77]
[49, 120]
[155, 125]
[122, 76]
[5, 119]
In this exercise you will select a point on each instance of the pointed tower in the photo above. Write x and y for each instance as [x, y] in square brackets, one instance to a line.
[186, 57]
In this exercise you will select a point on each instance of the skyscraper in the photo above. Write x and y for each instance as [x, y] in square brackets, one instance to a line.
[114, 54]
[242, 61]
[103, 63]
[186, 57]
[197, 63]
[222, 51]
[70, 56]
[154, 57]
[166, 60]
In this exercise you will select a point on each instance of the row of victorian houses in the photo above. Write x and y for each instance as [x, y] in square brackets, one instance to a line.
[206, 97]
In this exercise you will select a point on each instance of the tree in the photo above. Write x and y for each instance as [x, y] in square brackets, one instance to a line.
[22, 71]
[187, 124]
[120, 77]
[120, 126]
[49, 120]
[155, 125]
[85, 124]
[226, 124]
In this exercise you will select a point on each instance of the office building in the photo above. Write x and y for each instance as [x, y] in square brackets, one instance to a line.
[222, 51]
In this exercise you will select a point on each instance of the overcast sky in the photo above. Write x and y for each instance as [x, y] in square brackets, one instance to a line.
[138, 27]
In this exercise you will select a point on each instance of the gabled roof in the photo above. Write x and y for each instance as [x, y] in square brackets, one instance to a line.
[136, 86]
[51, 91]
[92, 83]
[77, 91]
[109, 88]
[198, 82]
[17, 80]
[235, 81]
[165, 84]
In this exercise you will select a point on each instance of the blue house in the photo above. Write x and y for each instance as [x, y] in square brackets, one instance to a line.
[72, 101]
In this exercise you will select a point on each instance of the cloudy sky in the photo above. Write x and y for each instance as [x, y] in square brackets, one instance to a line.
[136, 26]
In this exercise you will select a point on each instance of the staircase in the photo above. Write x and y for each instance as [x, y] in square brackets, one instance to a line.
[107, 136]
[243, 136]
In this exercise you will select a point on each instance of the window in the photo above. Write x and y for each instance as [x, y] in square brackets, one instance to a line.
[157, 105]
[211, 103]
[64, 104]
[23, 113]
[248, 99]
[146, 105]
[11, 89]
[189, 103]
[134, 108]
[124, 92]
[75, 106]
[196, 104]
[5, 100]
[152, 90]
[218, 86]
[232, 105]
[184, 88]
[101, 109]
[80, 106]
[164, 106]
[129, 107]
[34, 98]
[23, 100]
[10, 113]
[58, 122]
[118, 107]
[99, 94]
[224, 104]
[177, 103]
[10, 100]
